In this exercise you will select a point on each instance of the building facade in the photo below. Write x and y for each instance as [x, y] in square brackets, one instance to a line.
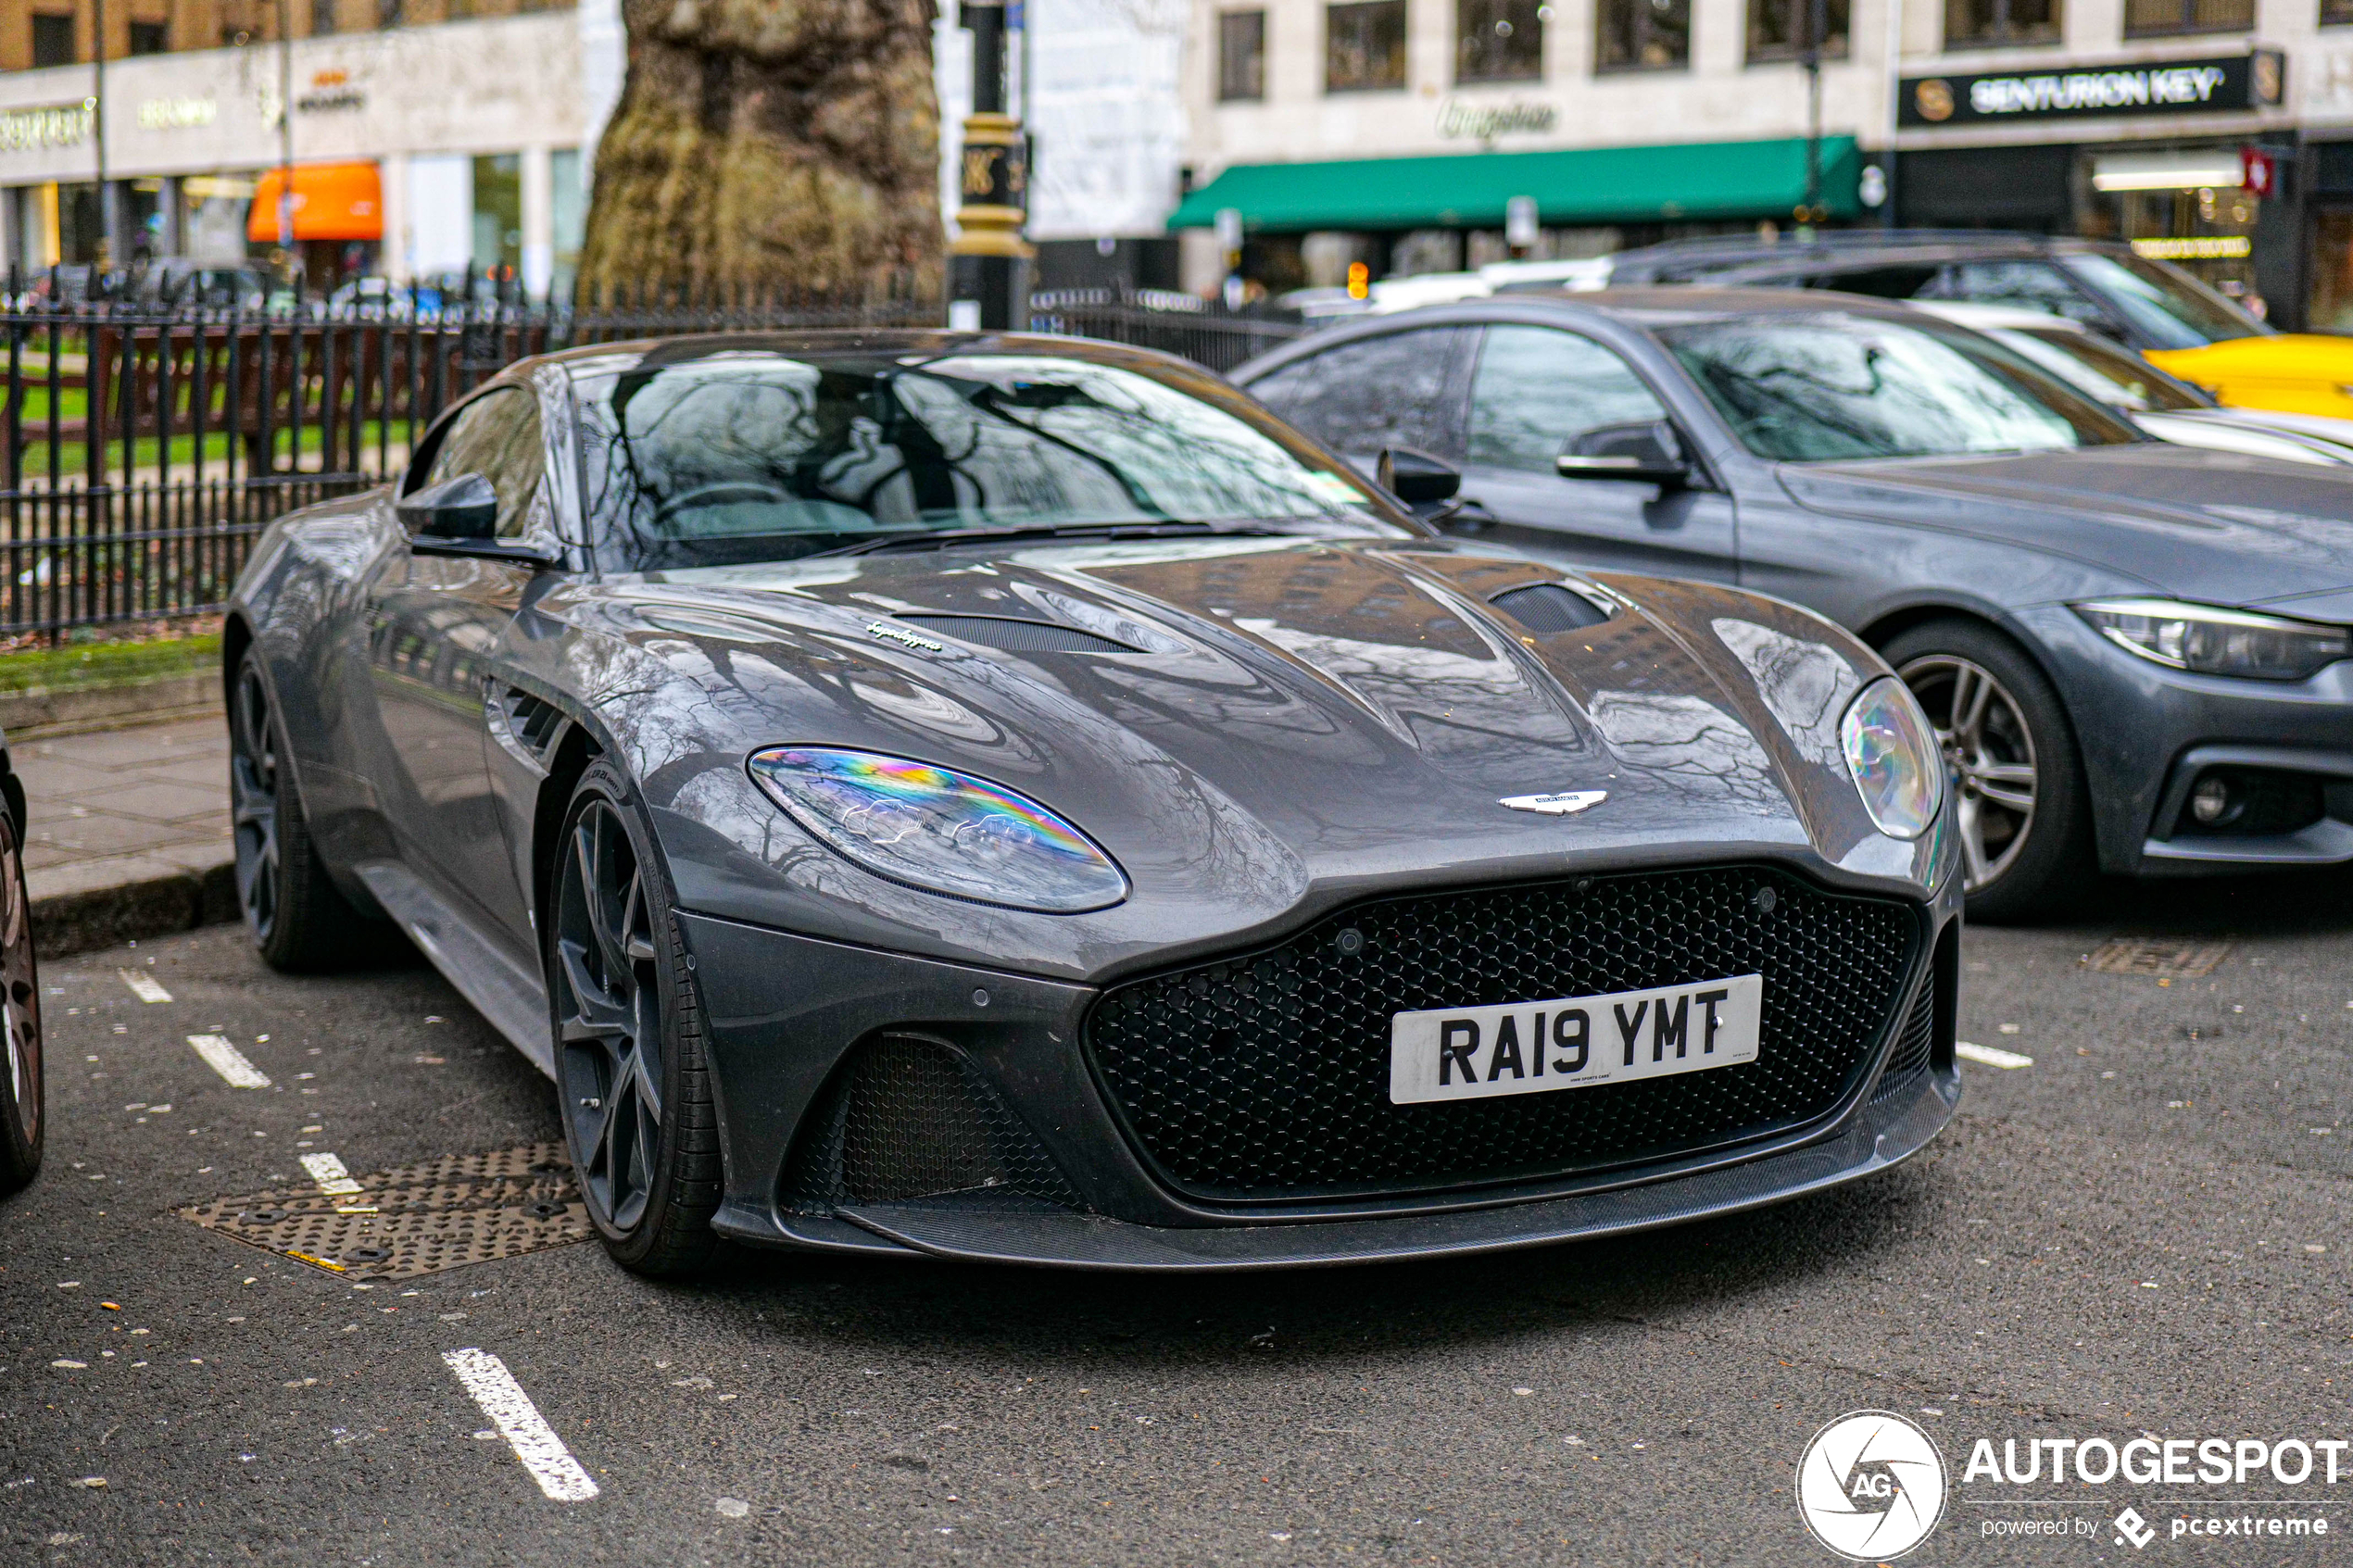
[1393, 134]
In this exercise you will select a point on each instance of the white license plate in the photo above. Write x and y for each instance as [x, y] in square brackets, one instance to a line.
[1570, 1042]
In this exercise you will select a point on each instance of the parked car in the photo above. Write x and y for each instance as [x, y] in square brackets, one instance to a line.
[2154, 307]
[180, 284]
[2134, 653]
[23, 1110]
[1010, 797]
[2167, 408]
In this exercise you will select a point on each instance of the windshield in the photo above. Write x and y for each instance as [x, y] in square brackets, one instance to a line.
[2097, 368]
[1820, 387]
[723, 455]
[2169, 304]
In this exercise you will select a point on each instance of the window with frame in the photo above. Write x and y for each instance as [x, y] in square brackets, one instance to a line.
[1993, 23]
[1782, 29]
[497, 436]
[1241, 57]
[2336, 13]
[1539, 388]
[1641, 35]
[1377, 392]
[1499, 40]
[52, 40]
[150, 38]
[1365, 47]
[2157, 18]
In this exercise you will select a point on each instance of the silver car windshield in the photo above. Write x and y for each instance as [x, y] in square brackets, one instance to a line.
[726, 456]
[2173, 309]
[1829, 386]
[2098, 368]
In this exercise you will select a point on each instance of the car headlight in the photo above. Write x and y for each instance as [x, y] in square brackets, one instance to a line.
[2212, 641]
[1892, 756]
[938, 829]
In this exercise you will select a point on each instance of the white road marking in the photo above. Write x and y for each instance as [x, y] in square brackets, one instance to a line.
[333, 1176]
[519, 1420]
[1986, 1056]
[143, 987]
[229, 1062]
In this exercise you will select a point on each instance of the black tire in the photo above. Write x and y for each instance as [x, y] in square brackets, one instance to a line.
[633, 1089]
[298, 919]
[2019, 797]
[23, 1110]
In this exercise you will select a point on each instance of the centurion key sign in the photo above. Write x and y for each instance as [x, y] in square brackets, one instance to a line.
[2161, 87]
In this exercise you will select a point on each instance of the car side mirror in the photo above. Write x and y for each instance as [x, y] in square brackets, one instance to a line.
[1415, 477]
[1647, 450]
[463, 508]
[459, 517]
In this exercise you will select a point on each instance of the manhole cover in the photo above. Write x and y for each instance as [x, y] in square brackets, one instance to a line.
[2167, 960]
[418, 1219]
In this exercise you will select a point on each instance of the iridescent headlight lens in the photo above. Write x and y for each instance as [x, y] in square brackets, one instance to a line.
[940, 829]
[1891, 752]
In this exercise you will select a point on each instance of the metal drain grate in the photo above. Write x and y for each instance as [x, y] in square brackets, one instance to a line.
[2167, 960]
[417, 1219]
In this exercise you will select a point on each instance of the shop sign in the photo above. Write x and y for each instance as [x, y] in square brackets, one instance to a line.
[2196, 248]
[330, 91]
[177, 114]
[47, 125]
[2166, 87]
[1484, 122]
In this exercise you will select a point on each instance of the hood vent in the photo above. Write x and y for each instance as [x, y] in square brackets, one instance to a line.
[1015, 636]
[1547, 607]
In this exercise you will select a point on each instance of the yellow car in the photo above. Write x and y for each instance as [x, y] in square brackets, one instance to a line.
[2184, 328]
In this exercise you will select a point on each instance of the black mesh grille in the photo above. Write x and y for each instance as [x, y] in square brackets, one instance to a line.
[1266, 1076]
[1548, 607]
[910, 1118]
[1909, 1059]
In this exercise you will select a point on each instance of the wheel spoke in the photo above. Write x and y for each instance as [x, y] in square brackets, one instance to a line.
[1968, 711]
[2008, 796]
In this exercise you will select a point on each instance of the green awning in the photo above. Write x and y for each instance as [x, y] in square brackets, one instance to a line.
[1685, 182]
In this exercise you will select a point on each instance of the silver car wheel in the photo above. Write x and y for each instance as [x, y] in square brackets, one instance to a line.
[1989, 755]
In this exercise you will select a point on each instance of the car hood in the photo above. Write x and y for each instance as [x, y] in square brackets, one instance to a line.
[1264, 723]
[2218, 527]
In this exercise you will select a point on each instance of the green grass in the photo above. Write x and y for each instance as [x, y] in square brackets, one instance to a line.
[103, 664]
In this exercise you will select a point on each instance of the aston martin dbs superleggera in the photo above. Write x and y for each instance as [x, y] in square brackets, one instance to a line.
[1014, 797]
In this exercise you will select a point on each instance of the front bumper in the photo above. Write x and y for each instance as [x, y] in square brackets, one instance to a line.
[783, 1012]
[2148, 734]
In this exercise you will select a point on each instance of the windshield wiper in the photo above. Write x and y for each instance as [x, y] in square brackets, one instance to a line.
[942, 538]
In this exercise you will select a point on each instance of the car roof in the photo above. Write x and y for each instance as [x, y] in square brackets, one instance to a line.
[1667, 304]
[1844, 249]
[628, 353]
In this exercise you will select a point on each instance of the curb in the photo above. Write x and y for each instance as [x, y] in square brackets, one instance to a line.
[97, 918]
[55, 710]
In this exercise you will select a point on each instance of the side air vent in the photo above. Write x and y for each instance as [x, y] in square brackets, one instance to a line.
[1547, 607]
[910, 1118]
[524, 725]
[1016, 637]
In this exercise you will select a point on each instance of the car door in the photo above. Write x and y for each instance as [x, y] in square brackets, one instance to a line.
[433, 626]
[1394, 389]
[1534, 391]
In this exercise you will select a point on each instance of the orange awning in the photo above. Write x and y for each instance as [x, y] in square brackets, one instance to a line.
[332, 201]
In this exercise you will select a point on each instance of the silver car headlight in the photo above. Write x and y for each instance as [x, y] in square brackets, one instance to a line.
[2209, 640]
[1892, 756]
[938, 829]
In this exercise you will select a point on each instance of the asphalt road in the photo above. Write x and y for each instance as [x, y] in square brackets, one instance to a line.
[2143, 1232]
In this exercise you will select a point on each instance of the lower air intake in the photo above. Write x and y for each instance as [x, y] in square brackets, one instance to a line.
[910, 1118]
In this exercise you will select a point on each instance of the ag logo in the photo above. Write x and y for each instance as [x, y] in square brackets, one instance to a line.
[1870, 1485]
[1935, 99]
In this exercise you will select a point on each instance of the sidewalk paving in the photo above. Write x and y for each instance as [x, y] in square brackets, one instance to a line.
[129, 833]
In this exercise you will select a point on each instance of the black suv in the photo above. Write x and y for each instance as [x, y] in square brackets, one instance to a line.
[2107, 288]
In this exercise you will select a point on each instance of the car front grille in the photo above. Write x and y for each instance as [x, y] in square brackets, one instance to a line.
[1265, 1077]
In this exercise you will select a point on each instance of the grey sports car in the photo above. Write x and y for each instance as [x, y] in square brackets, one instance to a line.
[2138, 655]
[1014, 799]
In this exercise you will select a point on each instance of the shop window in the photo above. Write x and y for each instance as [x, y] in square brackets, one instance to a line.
[1499, 40]
[567, 218]
[1241, 57]
[1641, 35]
[2336, 13]
[1365, 47]
[2152, 18]
[150, 38]
[497, 237]
[52, 40]
[1782, 29]
[1992, 23]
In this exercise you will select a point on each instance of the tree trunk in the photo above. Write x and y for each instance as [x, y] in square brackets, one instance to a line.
[769, 146]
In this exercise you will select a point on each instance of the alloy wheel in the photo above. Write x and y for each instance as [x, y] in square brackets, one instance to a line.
[19, 995]
[609, 1016]
[1989, 755]
[253, 803]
